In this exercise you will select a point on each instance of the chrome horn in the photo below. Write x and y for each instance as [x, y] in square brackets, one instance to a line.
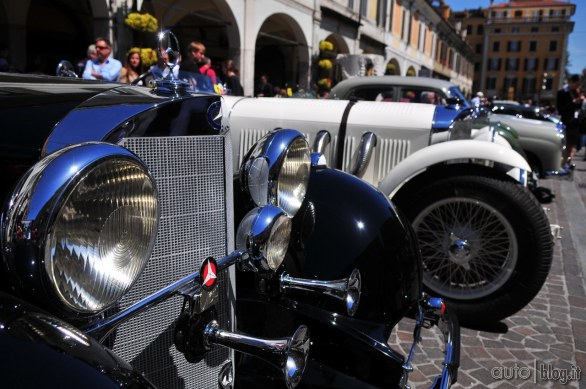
[348, 289]
[288, 354]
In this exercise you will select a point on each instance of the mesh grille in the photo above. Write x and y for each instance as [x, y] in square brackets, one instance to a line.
[195, 223]
[390, 153]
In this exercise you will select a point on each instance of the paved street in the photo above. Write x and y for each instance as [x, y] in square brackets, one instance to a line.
[544, 345]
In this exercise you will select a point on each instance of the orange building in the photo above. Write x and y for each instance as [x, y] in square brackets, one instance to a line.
[520, 47]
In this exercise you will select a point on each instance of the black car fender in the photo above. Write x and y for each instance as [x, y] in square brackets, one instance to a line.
[40, 350]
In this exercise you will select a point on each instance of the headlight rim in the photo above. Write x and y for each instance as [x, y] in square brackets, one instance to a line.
[270, 150]
[37, 283]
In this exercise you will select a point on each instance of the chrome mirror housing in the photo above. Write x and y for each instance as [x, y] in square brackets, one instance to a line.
[65, 69]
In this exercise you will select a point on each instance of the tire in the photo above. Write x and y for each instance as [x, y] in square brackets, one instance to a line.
[486, 244]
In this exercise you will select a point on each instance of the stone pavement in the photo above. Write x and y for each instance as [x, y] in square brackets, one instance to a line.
[541, 346]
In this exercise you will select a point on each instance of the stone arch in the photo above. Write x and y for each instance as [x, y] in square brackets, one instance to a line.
[411, 72]
[211, 22]
[340, 45]
[393, 68]
[281, 52]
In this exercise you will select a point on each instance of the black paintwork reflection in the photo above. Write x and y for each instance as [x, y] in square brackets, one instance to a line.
[332, 235]
[39, 350]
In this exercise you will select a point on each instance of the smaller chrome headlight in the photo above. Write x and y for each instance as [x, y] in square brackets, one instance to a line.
[276, 170]
[264, 234]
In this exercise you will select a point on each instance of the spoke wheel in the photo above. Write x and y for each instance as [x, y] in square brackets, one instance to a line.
[469, 249]
[486, 244]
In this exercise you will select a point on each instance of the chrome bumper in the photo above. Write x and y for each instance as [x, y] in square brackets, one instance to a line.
[432, 311]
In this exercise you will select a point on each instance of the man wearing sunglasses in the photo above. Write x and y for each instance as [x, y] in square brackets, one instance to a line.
[104, 67]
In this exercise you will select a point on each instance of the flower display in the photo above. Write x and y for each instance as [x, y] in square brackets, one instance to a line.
[141, 22]
[325, 63]
[324, 83]
[326, 46]
[148, 56]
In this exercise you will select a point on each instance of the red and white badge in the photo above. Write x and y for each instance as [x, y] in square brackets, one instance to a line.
[208, 274]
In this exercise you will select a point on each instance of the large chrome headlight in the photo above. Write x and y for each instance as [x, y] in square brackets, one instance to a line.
[82, 221]
[276, 170]
[264, 234]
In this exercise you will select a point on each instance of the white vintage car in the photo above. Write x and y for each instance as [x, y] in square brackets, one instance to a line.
[485, 239]
[542, 142]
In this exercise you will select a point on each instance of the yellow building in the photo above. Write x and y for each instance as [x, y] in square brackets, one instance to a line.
[521, 48]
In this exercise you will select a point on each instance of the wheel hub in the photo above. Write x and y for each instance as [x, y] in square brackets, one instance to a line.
[460, 251]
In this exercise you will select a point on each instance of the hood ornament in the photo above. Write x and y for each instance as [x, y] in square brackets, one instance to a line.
[168, 50]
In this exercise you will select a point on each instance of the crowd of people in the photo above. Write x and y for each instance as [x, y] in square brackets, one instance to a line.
[101, 65]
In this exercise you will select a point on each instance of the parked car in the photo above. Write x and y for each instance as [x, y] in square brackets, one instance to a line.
[542, 143]
[135, 255]
[484, 237]
[520, 110]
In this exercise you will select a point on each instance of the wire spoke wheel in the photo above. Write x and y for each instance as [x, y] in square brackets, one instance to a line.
[469, 249]
[485, 242]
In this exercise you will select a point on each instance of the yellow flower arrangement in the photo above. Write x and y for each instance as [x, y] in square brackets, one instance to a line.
[325, 82]
[325, 63]
[141, 22]
[326, 46]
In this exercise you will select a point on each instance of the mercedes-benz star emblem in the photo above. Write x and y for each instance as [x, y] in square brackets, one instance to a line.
[208, 274]
[215, 115]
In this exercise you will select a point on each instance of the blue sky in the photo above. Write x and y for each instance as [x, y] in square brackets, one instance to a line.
[577, 51]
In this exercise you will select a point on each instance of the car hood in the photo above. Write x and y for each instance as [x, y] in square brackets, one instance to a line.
[528, 127]
[30, 106]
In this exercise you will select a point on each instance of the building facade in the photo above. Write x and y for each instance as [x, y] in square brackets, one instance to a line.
[520, 47]
[278, 38]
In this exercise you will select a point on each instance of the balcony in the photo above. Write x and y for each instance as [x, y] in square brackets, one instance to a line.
[529, 19]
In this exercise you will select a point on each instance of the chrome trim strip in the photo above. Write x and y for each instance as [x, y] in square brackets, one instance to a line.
[322, 140]
[101, 329]
[364, 153]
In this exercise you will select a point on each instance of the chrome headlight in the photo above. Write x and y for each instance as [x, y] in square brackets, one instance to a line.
[88, 215]
[276, 170]
[264, 234]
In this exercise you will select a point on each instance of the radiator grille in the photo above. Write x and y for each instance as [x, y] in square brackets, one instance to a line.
[248, 137]
[196, 222]
[390, 153]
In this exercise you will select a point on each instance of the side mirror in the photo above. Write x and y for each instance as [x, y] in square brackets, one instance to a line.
[65, 69]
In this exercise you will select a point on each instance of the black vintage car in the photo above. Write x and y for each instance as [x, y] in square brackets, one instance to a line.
[133, 256]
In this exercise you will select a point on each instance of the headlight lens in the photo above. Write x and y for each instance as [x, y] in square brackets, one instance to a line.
[294, 176]
[101, 238]
[81, 225]
[276, 170]
[264, 233]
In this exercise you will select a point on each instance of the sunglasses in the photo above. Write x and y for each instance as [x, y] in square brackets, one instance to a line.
[102, 47]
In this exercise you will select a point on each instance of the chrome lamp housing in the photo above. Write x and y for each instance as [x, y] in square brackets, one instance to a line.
[276, 170]
[80, 227]
[264, 235]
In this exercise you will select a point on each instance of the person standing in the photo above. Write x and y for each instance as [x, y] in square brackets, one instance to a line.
[91, 55]
[568, 104]
[197, 62]
[132, 67]
[104, 67]
[264, 88]
[477, 100]
[232, 80]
